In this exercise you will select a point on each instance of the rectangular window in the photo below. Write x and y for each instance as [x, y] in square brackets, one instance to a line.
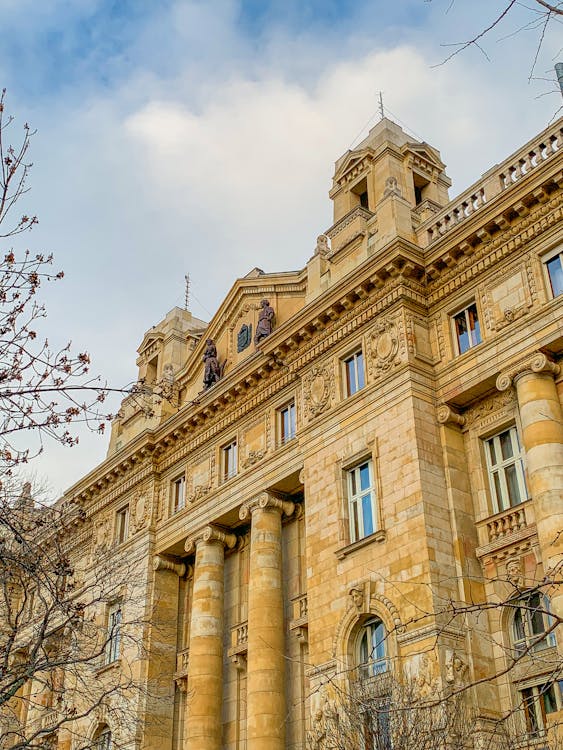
[505, 463]
[361, 501]
[229, 462]
[286, 423]
[466, 328]
[554, 268]
[538, 702]
[178, 494]
[113, 636]
[353, 373]
[122, 525]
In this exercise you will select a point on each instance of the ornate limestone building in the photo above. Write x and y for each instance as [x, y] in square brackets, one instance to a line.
[342, 452]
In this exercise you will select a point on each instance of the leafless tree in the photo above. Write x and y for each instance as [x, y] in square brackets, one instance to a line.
[537, 17]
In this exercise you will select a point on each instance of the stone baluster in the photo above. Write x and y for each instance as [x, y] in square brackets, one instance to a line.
[266, 705]
[542, 436]
[203, 725]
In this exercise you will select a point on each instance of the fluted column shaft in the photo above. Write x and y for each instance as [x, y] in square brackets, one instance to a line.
[205, 673]
[266, 705]
[542, 436]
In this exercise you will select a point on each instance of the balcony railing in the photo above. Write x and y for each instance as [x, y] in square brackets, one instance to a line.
[507, 525]
[531, 156]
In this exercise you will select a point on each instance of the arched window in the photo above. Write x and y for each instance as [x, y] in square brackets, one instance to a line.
[372, 655]
[531, 622]
[102, 738]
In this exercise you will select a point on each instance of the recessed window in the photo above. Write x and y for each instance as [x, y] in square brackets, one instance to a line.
[531, 623]
[353, 373]
[554, 269]
[361, 501]
[467, 330]
[113, 635]
[372, 655]
[122, 525]
[102, 739]
[178, 494]
[505, 463]
[286, 423]
[229, 460]
[538, 702]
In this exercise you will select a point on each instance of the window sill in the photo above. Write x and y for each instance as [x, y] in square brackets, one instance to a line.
[105, 668]
[378, 536]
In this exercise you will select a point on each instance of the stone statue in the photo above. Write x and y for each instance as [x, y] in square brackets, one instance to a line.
[265, 322]
[212, 372]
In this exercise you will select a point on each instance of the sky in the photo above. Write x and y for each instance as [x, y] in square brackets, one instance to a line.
[193, 136]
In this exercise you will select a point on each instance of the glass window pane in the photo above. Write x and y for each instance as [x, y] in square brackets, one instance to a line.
[360, 369]
[498, 490]
[555, 272]
[350, 380]
[506, 445]
[474, 325]
[512, 485]
[353, 487]
[367, 514]
[461, 332]
[492, 452]
[519, 635]
[549, 701]
[364, 477]
[355, 523]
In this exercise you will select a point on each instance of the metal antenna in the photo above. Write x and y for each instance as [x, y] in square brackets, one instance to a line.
[381, 110]
[187, 295]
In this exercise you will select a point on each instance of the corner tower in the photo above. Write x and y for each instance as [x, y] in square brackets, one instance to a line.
[381, 191]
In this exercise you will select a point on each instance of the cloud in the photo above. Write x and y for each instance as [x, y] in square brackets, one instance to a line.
[205, 143]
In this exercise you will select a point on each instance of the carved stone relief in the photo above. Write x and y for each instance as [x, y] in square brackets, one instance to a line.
[200, 477]
[507, 298]
[489, 410]
[318, 389]
[254, 441]
[140, 510]
[384, 345]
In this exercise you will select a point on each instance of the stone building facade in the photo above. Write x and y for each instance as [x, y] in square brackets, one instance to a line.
[381, 436]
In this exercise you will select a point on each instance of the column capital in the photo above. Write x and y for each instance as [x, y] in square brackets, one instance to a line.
[163, 562]
[448, 415]
[265, 501]
[210, 535]
[536, 362]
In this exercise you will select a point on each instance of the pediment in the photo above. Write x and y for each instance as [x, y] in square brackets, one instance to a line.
[424, 155]
[352, 161]
[234, 326]
[149, 340]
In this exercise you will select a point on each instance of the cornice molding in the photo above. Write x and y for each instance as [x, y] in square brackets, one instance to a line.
[465, 261]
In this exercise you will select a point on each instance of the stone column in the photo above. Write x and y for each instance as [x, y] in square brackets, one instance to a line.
[203, 725]
[542, 436]
[266, 705]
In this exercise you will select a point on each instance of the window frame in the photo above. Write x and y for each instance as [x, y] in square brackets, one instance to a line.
[103, 739]
[456, 337]
[526, 637]
[178, 493]
[356, 520]
[545, 259]
[229, 455]
[351, 385]
[113, 633]
[122, 519]
[533, 704]
[370, 668]
[502, 502]
[290, 408]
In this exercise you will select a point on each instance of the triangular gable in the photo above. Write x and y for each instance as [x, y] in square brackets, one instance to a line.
[351, 160]
[425, 154]
[150, 338]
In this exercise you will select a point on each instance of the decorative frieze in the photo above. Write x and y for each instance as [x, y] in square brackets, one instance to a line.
[318, 389]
